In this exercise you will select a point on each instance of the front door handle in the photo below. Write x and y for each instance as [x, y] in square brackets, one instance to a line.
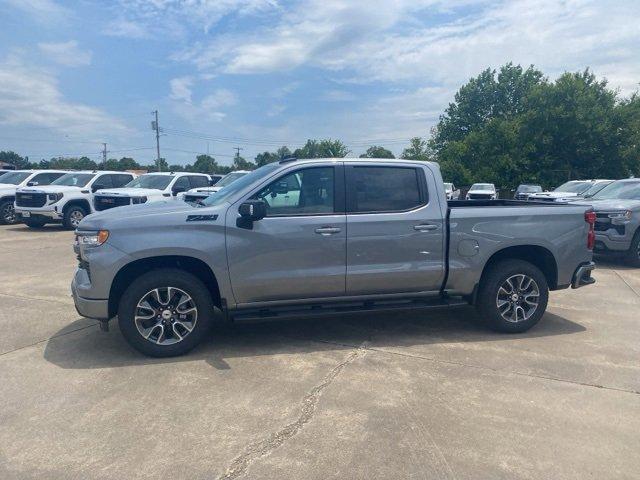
[425, 227]
[326, 231]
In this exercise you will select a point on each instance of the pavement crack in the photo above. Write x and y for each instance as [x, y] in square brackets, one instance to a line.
[264, 447]
[627, 283]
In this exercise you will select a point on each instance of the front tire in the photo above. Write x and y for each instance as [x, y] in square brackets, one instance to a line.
[7, 213]
[633, 254]
[73, 215]
[165, 313]
[513, 296]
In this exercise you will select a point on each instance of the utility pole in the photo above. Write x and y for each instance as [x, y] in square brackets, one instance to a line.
[237, 149]
[155, 126]
[104, 155]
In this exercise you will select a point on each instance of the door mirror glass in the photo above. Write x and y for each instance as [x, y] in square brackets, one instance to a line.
[253, 210]
[32, 184]
[97, 186]
[177, 190]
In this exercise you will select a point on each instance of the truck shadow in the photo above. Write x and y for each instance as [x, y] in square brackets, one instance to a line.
[90, 348]
[53, 227]
[617, 262]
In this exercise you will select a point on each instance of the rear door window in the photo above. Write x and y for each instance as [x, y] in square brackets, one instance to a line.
[384, 189]
[198, 181]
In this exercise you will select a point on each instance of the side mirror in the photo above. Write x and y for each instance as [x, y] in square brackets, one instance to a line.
[32, 184]
[253, 210]
[177, 190]
[96, 186]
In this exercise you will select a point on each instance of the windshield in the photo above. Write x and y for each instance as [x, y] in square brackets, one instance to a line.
[247, 179]
[595, 188]
[74, 179]
[574, 187]
[482, 186]
[14, 178]
[529, 189]
[619, 191]
[230, 178]
[157, 182]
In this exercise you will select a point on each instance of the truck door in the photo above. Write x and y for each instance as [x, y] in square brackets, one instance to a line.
[395, 230]
[298, 250]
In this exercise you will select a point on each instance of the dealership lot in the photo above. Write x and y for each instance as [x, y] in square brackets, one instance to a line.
[366, 396]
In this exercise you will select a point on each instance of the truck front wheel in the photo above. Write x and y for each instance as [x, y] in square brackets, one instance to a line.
[165, 312]
[513, 296]
[73, 215]
[7, 213]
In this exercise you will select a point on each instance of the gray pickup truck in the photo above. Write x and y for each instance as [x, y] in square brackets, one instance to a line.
[324, 236]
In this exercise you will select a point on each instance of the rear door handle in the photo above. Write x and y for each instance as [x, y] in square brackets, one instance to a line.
[326, 231]
[425, 227]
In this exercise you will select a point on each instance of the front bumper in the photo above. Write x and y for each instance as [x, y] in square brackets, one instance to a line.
[90, 308]
[582, 276]
[49, 213]
[609, 241]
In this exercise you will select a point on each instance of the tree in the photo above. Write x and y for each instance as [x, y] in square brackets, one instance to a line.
[417, 150]
[239, 163]
[377, 152]
[269, 157]
[205, 164]
[14, 159]
[322, 149]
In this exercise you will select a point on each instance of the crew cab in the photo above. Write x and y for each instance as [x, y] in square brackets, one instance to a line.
[482, 191]
[197, 194]
[572, 189]
[150, 187]
[524, 190]
[617, 227]
[67, 199]
[12, 180]
[324, 236]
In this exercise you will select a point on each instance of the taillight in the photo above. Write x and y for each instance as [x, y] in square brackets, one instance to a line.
[590, 218]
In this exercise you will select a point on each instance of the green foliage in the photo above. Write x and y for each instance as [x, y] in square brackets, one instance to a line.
[322, 149]
[205, 164]
[377, 152]
[269, 157]
[14, 159]
[125, 163]
[418, 149]
[239, 163]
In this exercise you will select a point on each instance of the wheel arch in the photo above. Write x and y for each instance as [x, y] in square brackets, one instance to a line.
[81, 202]
[129, 272]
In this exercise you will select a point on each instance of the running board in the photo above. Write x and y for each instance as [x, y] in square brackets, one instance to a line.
[331, 309]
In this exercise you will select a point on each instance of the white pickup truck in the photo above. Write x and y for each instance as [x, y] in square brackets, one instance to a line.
[151, 187]
[195, 194]
[11, 181]
[68, 199]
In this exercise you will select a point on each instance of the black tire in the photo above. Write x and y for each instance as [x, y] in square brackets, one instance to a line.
[633, 254]
[32, 223]
[7, 213]
[488, 296]
[73, 215]
[161, 279]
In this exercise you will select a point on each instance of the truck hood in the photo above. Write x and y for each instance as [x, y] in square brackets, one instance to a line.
[7, 188]
[554, 195]
[205, 190]
[482, 192]
[51, 189]
[131, 192]
[612, 205]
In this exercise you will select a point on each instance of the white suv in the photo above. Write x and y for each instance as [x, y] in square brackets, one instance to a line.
[13, 180]
[196, 194]
[68, 199]
[151, 187]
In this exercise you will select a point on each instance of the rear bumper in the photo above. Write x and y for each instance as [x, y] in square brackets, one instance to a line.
[582, 276]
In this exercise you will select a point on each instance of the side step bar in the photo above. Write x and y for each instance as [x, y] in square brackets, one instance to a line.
[331, 309]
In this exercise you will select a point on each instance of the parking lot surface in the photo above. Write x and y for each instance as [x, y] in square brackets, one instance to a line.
[408, 395]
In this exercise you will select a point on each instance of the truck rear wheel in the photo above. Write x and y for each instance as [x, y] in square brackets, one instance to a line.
[73, 215]
[165, 312]
[513, 296]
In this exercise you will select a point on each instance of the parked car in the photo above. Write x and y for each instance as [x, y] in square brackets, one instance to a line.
[150, 187]
[452, 192]
[617, 208]
[567, 190]
[213, 179]
[11, 181]
[589, 193]
[523, 191]
[275, 243]
[197, 194]
[68, 199]
[482, 191]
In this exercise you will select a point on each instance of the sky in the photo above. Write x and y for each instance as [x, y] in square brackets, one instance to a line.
[258, 74]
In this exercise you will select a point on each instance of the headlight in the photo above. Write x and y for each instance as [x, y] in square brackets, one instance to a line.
[620, 217]
[92, 239]
[136, 200]
[54, 197]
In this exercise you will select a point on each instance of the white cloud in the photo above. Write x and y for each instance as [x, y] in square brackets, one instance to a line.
[31, 97]
[126, 28]
[210, 107]
[66, 53]
[43, 11]
[181, 89]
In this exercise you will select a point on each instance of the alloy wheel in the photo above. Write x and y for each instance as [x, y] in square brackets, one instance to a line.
[75, 218]
[518, 297]
[8, 213]
[166, 315]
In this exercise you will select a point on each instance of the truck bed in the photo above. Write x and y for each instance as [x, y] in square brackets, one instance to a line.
[500, 203]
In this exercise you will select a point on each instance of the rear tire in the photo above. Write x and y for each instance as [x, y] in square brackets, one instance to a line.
[34, 223]
[7, 213]
[163, 330]
[633, 254]
[513, 296]
[73, 215]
